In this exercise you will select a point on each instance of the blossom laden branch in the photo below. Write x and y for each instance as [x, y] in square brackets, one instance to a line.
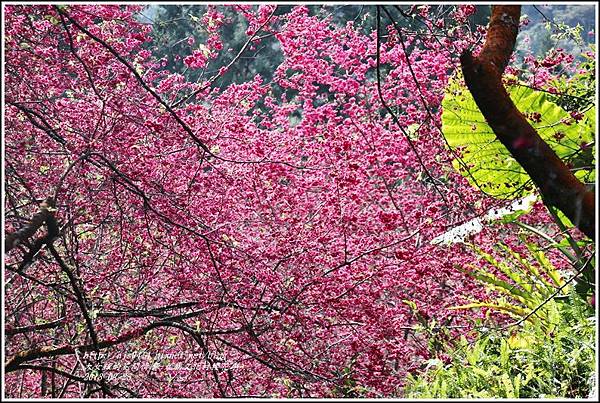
[226, 68]
[139, 78]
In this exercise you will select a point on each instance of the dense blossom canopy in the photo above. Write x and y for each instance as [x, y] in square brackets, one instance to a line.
[265, 234]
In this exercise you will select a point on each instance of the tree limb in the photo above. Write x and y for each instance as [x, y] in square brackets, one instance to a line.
[16, 360]
[483, 75]
[45, 215]
[11, 331]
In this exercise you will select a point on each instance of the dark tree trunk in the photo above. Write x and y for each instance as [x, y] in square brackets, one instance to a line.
[483, 76]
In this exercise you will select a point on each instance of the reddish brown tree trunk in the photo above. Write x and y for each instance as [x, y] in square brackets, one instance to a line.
[483, 76]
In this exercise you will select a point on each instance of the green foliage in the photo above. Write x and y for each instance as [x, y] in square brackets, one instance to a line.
[577, 93]
[486, 162]
[561, 32]
[575, 250]
[526, 361]
[547, 351]
[528, 286]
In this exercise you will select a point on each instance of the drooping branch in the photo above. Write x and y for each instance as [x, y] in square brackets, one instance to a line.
[483, 75]
[45, 352]
[11, 331]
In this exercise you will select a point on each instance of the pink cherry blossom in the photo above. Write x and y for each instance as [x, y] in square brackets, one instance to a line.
[264, 233]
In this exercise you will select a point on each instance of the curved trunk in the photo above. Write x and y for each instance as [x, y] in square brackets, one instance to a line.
[483, 76]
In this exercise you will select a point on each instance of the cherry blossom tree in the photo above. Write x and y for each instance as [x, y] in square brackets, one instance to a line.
[174, 238]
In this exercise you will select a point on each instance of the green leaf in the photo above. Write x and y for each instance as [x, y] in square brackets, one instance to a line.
[53, 20]
[504, 287]
[411, 304]
[508, 386]
[547, 265]
[526, 265]
[194, 18]
[500, 306]
[486, 162]
[504, 353]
